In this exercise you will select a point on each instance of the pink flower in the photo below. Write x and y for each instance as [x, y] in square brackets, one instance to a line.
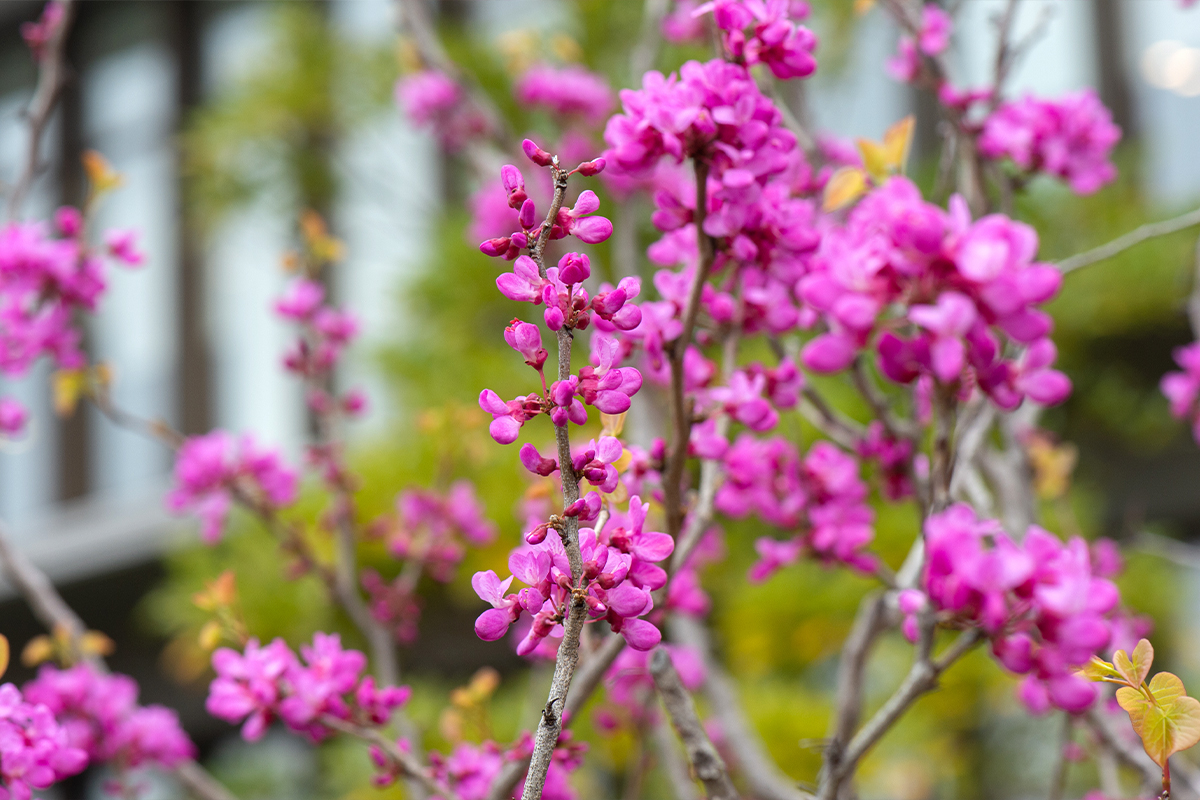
[301, 300]
[209, 468]
[570, 91]
[1071, 138]
[13, 416]
[122, 245]
[101, 717]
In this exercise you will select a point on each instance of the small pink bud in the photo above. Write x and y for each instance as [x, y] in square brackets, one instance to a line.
[536, 154]
[590, 168]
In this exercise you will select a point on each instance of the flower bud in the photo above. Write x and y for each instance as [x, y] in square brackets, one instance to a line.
[536, 154]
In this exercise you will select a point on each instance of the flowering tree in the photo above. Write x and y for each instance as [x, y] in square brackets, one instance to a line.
[783, 255]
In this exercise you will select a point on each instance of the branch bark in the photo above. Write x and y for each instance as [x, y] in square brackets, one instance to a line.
[1134, 237]
[764, 779]
[56, 615]
[51, 79]
[705, 760]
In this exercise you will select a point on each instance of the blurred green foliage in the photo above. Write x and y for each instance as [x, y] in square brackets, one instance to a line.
[271, 134]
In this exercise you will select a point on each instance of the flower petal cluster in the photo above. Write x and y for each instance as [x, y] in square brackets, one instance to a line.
[433, 100]
[1182, 388]
[932, 40]
[35, 750]
[569, 91]
[100, 715]
[1071, 138]
[821, 497]
[265, 683]
[470, 770]
[620, 571]
[1046, 608]
[429, 530]
[774, 40]
[966, 292]
[48, 275]
[576, 220]
[209, 469]
[324, 334]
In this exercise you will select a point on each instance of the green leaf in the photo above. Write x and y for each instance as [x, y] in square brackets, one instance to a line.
[1135, 668]
[1167, 720]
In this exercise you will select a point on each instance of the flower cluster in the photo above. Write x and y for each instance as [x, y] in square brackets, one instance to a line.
[47, 276]
[620, 567]
[428, 530]
[433, 100]
[774, 39]
[932, 40]
[1046, 608]
[967, 292]
[570, 91]
[574, 221]
[821, 497]
[1182, 389]
[470, 770]
[35, 751]
[101, 717]
[605, 387]
[325, 333]
[211, 470]
[1070, 138]
[270, 682]
[38, 34]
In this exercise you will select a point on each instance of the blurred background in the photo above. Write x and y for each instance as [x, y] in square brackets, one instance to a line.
[229, 119]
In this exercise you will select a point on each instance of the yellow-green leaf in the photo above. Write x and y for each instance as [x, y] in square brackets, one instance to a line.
[1098, 670]
[844, 187]
[1167, 721]
[1134, 668]
[875, 159]
[897, 141]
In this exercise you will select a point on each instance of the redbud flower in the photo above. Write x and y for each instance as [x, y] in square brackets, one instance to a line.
[13, 416]
[574, 268]
[526, 339]
[576, 222]
[300, 300]
[514, 185]
[536, 154]
[122, 245]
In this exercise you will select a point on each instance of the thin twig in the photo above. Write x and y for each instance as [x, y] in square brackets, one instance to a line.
[568, 650]
[920, 679]
[869, 622]
[404, 761]
[1136, 236]
[51, 79]
[681, 413]
[587, 679]
[56, 615]
[706, 762]
[1127, 753]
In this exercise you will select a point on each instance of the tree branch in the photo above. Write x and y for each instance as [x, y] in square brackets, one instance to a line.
[51, 79]
[404, 761]
[681, 413]
[920, 679]
[765, 780]
[1136, 236]
[55, 615]
[672, 763]
[706, 762]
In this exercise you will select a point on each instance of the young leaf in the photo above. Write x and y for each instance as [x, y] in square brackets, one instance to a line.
[4, 653]
[1168, 723]
[1098, 670]
[897, 141]
[844, 187]
[1134, 669]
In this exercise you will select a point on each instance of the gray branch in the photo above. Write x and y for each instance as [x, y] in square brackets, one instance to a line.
[705, 760]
